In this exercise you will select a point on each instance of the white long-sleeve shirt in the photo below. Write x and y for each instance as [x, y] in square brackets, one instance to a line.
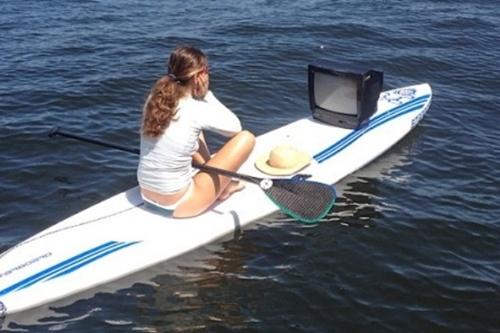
[165, 162]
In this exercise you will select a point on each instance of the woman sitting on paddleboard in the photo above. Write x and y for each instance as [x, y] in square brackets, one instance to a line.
[179, 107]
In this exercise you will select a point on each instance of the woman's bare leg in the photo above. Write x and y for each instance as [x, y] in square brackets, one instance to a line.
[209, 186]
[233, 186]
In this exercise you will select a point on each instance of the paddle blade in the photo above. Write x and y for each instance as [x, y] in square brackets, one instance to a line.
[307, 201]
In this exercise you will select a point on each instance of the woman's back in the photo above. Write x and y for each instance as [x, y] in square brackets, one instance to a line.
[165, 164]
[178, 109]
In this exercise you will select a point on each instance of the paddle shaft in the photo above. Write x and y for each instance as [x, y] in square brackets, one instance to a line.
[306, 201]
[57, 131]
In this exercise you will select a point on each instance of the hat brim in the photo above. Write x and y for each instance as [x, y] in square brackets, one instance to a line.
[303, 160]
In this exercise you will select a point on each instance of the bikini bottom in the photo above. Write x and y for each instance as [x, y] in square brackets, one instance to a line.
[166, 210]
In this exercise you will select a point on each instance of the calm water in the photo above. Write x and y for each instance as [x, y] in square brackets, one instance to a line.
[412, 244]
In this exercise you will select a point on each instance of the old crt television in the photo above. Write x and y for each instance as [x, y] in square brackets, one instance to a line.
[343, 98]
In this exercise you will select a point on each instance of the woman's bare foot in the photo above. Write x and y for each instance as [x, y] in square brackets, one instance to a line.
[234, 186]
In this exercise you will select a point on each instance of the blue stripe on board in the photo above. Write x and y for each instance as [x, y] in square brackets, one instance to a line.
[410, 106]
[399, 110]
[74, 268]
[79, 258]
[353, 136]
[46, 273]
[348, 138]
[52, 268]
[61, 268]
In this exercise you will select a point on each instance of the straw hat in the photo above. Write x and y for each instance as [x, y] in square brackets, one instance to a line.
[282, 160]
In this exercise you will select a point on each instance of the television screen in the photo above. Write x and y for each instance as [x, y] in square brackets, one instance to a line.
[336, 93]
[344, 98]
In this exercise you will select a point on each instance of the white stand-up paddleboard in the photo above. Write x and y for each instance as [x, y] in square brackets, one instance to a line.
[119, 236]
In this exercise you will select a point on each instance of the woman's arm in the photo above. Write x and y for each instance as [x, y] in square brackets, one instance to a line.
[203, 154]
[216, 117]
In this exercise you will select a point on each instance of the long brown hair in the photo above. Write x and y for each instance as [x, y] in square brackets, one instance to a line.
[161, 106]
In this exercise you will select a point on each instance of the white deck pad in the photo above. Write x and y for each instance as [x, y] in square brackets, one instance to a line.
[119, 236]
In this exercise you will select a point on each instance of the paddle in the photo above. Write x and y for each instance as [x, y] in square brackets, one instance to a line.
[307, 201]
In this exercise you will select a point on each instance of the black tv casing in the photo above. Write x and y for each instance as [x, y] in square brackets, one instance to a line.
[369, 86]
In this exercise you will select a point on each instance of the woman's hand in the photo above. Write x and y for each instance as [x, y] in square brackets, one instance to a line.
[201, 83]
